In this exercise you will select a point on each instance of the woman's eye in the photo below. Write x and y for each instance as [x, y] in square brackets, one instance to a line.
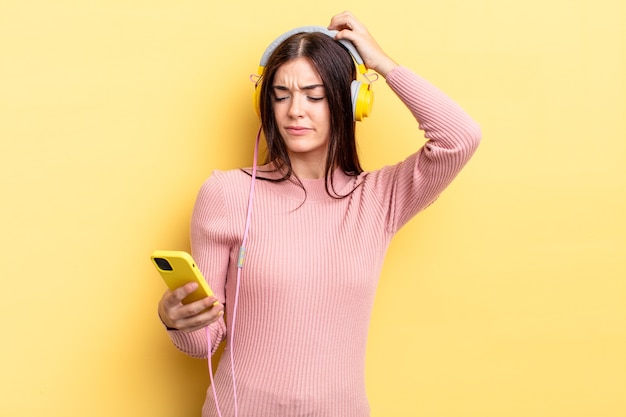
[316, 98]
[276, 98]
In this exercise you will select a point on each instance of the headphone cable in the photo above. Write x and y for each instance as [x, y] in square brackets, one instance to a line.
[240, 262]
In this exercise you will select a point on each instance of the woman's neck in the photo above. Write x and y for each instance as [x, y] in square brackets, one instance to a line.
[308, 169]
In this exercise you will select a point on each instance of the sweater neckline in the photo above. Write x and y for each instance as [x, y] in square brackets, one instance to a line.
[315, 188]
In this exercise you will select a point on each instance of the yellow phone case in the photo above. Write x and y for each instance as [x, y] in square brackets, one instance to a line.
[177, 268]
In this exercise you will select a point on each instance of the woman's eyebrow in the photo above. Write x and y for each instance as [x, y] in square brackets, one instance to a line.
[313, 86]
[306, 87]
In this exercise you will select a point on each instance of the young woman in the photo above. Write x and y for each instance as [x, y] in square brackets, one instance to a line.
[319, 231]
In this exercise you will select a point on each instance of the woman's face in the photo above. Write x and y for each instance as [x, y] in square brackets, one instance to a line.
[301, 110]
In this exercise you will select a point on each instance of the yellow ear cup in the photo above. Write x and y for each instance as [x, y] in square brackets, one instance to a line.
[362, 100]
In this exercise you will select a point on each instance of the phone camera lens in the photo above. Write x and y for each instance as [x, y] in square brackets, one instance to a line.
[163, 264]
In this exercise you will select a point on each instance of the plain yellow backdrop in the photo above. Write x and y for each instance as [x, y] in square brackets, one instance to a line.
[505, 298]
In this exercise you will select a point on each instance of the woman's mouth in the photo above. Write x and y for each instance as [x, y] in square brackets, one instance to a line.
[297, 130]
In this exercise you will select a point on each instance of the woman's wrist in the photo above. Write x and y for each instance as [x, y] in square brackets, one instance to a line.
[385, 67]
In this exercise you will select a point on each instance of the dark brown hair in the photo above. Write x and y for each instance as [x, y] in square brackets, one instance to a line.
[336, 68]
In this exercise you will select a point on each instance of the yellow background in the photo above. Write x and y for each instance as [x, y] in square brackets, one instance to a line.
[505, 298]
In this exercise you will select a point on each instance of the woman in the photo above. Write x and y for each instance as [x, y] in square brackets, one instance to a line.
[320, 228]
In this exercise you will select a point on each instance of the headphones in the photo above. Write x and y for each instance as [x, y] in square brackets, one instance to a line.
[362, 95]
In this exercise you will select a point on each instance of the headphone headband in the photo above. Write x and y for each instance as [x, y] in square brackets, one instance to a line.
[309, 29]
[361, 95]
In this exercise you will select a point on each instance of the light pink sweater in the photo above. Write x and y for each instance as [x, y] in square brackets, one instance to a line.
[311, 269]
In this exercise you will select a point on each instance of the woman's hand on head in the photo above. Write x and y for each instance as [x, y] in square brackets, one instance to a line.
[188, 317]
[350, 28]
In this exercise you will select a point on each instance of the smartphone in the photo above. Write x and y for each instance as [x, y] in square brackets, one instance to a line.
[177, 268]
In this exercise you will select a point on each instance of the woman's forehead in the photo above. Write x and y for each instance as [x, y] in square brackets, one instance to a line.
[299, 72]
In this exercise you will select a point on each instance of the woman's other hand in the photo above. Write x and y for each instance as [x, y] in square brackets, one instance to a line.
[350, 28]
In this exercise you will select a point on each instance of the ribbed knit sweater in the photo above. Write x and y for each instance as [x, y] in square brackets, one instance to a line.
[312, 267]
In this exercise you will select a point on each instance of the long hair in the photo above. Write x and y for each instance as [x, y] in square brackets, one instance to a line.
[336, 68]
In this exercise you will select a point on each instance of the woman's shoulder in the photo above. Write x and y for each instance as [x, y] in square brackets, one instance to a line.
[221, 183]
[228, 175]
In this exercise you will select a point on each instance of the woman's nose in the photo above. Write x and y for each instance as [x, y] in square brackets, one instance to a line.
[295, 106]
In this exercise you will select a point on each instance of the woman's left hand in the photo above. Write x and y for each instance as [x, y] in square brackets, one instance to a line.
[350, 28]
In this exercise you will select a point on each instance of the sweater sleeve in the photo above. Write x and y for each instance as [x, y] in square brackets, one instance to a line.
[210, 248]
[452, 138]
